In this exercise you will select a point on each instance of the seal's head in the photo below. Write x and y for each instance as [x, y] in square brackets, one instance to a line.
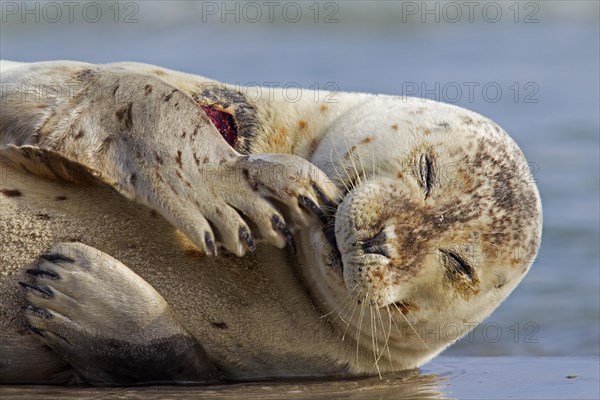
[439, 222]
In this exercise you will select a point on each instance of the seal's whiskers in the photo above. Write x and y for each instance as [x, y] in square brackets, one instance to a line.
[352, 315]
[342, 181]
[362, 313]
[387, 340]
[409, 324]
[341, 161]
[362, 165]
[387, 337]
[343, 303]
[350, 152]
[374, 341]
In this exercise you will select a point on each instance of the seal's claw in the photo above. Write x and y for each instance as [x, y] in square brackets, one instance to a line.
[43, 273]
[42, 291]
[327, 203]
[39, 332]
[53, 257]
[211, 249]
[282, 228]
[37, 312]
[311, 206]
[248, 240]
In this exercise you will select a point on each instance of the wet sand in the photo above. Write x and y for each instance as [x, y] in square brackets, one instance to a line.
[444, 378]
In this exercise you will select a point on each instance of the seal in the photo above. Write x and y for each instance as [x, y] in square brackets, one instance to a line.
[409, 222]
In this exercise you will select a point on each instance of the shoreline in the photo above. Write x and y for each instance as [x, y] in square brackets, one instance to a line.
[444, 377]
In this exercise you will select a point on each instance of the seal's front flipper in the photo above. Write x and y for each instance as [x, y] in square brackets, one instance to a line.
[109, 323]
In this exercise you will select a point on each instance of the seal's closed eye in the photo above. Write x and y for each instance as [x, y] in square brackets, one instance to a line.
[426, 173]
[457, 265]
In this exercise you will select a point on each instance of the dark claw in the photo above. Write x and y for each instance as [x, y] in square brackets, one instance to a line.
[210, 245]
[247, 237]
[56, 257]
[61, 337]
[329, 220]
[44, 273]
[312, 207]
[42, 333]
[326, 201]
[38, 312]
[38, 332]
[282, 228]
[43, 291]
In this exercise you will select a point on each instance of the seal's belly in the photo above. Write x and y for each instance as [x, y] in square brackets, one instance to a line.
[251, 315]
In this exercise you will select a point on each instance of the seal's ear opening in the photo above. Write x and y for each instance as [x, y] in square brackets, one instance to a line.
[223, 121]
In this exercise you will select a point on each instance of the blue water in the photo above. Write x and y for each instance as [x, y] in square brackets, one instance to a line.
[554, 116]
[477, 378]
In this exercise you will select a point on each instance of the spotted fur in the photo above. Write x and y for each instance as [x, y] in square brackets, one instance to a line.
[438, 221]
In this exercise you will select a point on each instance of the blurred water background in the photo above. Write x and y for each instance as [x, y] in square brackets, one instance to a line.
[533, 68]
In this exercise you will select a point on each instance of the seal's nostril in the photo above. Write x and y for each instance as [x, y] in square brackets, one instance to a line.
[376, 245]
